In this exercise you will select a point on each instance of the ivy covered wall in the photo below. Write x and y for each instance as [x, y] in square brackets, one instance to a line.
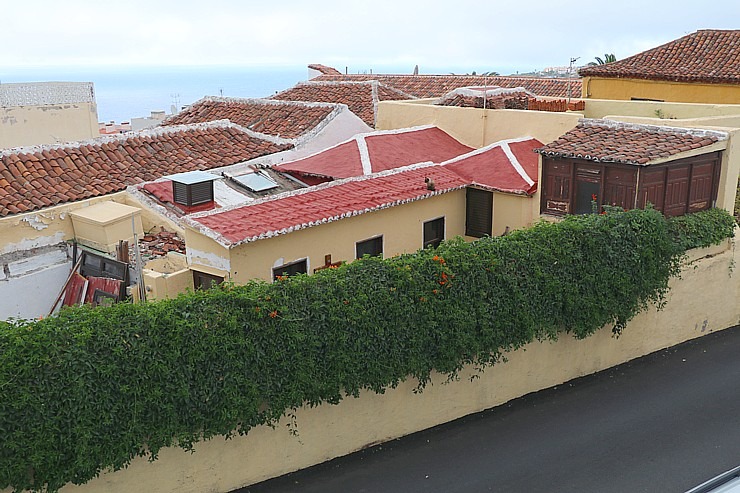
[93, 388]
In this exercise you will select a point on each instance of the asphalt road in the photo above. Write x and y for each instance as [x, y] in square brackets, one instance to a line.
[662, 423]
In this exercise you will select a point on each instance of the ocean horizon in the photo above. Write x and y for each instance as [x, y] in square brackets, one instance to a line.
[129, 92]
[123, 93]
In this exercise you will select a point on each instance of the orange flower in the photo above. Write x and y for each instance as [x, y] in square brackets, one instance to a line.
[435, 291]
[257, 309]
[273, 314]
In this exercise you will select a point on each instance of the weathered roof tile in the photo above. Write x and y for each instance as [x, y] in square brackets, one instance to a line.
[711, 56]
[616, 142]
[101, 167]
[361, 97]
[435, 86]
[289, 120]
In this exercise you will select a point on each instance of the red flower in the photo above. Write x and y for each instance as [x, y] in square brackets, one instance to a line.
[273, 314]
[593, 196]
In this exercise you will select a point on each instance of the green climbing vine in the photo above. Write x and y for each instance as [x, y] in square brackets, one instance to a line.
[91, 389]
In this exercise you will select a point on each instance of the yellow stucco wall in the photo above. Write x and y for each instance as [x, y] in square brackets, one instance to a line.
[50, 226]
[676, 112]
[477, 127]
[47, 124]
[514, 211]
[167, 276]
[703, 300]
[401, 227]
[206, 255]
[611, 88]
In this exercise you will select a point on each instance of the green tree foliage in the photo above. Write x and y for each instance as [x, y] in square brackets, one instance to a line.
[608, 58]
[91, 389]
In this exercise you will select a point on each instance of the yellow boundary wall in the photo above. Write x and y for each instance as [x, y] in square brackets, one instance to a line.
[703, 300]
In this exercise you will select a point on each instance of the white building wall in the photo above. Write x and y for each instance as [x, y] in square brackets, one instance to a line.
[31, 281]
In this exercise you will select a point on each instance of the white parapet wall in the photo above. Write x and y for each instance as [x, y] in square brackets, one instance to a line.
[703, 300]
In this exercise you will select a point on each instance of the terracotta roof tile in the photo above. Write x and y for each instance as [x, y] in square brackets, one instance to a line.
[326, 203]
[435, 86]
[101, 167]
[615, 142]
[324, 69]
[496, 98]
[361, 97]
[288, 120]
[711, 56]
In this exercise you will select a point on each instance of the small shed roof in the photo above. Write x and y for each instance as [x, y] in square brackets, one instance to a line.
[617, 142]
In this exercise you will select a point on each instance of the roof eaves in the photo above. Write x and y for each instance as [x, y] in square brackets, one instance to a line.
[192, 220]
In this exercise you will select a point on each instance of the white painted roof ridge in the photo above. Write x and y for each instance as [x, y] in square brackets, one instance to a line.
[320, 186]
[367, 166]
[191, 220]
[696, 132]
[356, 139]
[516, 164]
[266, 102]
[487, 148]
[478, 91]
[313, 132]
[151, 132]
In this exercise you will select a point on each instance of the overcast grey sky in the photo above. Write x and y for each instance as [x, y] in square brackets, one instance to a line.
[459, 35]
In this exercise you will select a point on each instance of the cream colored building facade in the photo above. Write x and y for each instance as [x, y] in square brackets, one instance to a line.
[477, 127]
[38, 113]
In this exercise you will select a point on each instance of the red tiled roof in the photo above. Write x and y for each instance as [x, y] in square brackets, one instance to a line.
[361, 97]
[36, 177]
[435, 86]
[379, 151]
[711, 56]
[507, 166]
[326, 203]
[496, 98]
[614, 142]
[288, 120]
[324, 69]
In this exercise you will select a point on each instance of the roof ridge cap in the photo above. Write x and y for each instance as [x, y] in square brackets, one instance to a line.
[150, 132]
[314, 188]
[647, 127]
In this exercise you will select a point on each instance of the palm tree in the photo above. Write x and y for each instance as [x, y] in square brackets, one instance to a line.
[608, 58]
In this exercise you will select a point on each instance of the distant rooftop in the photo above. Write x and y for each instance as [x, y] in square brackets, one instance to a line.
[45, 93]
[487, 97]
[435, 86]
[710, 56]
[285, 119]
[361, 97]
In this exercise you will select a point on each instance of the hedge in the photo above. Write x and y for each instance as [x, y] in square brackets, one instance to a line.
[91, 389]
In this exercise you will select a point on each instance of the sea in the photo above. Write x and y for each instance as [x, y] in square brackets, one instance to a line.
[123, 93]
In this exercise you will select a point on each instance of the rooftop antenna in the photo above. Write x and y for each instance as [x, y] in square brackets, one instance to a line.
[175, 101]
[570, 75]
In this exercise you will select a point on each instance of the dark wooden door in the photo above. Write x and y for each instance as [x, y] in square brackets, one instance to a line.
[620, 185]
[652, 188]
[677, 190]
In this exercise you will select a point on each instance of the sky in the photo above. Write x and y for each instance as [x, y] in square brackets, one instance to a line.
[382, 35]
